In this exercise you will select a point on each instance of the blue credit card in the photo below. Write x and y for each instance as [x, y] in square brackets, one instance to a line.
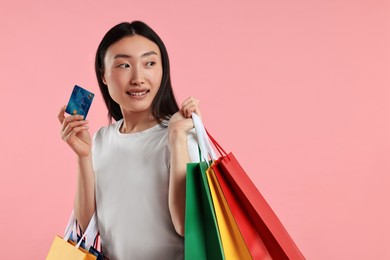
[80, 101]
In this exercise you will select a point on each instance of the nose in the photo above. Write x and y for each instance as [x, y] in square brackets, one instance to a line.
[137, 77]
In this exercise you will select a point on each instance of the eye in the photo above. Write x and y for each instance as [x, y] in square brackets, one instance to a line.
[150, 64]
[123, 65]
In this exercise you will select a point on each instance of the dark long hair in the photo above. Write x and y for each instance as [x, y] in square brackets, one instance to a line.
[164, 104]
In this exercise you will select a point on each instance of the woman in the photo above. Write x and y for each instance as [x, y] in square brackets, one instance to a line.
[134, 173]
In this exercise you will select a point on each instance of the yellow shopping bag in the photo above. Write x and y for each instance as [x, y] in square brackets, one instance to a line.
[67, 250]
[233, 244]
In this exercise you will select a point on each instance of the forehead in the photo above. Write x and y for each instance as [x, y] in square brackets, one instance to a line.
[134, 46]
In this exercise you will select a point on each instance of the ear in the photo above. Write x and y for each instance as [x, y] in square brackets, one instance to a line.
[103, 78]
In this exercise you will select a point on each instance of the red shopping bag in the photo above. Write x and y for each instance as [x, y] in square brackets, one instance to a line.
[261, 229]
[247, 228]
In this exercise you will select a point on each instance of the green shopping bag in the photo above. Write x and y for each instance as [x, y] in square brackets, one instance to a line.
[201, 236]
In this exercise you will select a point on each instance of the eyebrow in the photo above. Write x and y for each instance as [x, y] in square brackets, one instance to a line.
[129, 56]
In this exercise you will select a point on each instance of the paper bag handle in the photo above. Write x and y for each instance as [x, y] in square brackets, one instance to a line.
[206, 149]
[90, 232]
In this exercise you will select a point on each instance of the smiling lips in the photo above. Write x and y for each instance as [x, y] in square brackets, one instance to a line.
[138, 93]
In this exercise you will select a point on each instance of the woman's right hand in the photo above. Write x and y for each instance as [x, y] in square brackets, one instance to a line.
[74, 131]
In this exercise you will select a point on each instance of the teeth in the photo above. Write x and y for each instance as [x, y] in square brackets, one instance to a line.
[137, 93]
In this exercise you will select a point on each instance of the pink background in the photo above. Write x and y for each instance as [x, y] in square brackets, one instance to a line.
[298, 90]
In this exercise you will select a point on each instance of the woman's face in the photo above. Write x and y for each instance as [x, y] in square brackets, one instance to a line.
[133, 73]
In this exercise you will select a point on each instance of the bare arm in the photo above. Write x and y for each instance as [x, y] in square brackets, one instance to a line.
[177, 182]
[179, 125]
[84, 204]
[74, 131]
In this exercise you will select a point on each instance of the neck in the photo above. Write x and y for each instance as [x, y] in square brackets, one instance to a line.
[137, 122]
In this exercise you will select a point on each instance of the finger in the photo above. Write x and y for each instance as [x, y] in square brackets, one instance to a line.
[187, 111]
[61, 115]
[71, 136]
[72, 125]
[69, 119]
[189, 101]
[191, 108]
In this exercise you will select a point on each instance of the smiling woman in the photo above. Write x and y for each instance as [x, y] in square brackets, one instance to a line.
[133, 174]
[133, 69]
[164, 104]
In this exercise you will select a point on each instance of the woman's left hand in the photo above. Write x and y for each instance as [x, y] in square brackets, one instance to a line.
[181, 121]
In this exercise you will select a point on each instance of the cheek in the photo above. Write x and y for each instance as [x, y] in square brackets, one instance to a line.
[114, 78]
[157, 78]
[112, 90]
[113, 82]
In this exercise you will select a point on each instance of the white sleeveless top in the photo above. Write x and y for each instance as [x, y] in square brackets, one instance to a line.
[131, 181]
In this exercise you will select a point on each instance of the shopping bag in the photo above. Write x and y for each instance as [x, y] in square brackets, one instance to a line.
[262, 231]
[233, 244]
[74, 247]
[67, 250]
[274, 236]
[201, 236]
[246, 226]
